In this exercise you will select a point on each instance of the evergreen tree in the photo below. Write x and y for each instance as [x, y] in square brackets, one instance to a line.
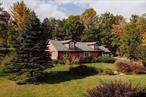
[47, 28]
[4, 25]
[30, 56]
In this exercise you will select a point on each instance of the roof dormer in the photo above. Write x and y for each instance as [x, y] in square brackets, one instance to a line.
[70, 44]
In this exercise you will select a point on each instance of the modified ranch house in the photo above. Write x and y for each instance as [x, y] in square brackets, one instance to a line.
[69, 48]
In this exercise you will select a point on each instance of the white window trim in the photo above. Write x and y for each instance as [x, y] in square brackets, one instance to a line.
[87, 54]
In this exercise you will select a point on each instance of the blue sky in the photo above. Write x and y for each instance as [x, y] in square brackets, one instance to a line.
[63, 8]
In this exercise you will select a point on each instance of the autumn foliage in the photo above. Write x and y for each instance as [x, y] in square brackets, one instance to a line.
[89, 13]
[19, 10]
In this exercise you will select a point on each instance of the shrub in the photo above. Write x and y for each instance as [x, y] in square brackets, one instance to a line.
[105, 59]
[67, 62]
[83, 70]
[123, 65]
[57, 62]
[93, 60]
[138, 69]
[144, 63]
[85, 60]
[108, 71]
[116, 89]
[8, 64]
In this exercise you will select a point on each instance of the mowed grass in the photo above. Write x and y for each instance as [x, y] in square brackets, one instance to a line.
[61, 84]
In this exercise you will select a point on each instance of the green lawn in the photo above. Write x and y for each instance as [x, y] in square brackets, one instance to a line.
[61, 84]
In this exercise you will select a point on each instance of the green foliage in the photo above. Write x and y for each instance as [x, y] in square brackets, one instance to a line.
[72, 29]
[47, 28]
[3, 32]
[6, 63]
[108, 71]
[140, 53]
[129, 41]
[57, 62]
[84, 70]
[106, 22]
[105, 59]
[30, 55]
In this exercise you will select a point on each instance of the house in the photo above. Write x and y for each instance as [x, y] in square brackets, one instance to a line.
[69, 48]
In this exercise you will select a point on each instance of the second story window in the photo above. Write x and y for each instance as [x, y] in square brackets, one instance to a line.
[71, 45]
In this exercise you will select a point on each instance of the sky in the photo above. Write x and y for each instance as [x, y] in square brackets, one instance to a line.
[60, 9]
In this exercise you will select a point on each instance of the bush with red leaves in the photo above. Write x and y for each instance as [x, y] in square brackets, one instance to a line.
[138, 69]
[123, 65]
[116, 89]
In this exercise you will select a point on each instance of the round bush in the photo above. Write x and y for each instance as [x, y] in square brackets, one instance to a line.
[138, 69]
[123, 65]
[144, 63]
[83, 70]
[105, 59]
[116, 89]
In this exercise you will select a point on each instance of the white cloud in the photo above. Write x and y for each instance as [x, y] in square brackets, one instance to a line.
[51, 8]
[42, 8]
[122, 7]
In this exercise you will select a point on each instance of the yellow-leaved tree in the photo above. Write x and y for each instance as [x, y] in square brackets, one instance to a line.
[19, 10]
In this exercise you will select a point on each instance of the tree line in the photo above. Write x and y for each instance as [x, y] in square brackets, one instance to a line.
[25, 38]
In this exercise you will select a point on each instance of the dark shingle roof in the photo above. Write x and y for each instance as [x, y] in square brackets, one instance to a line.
[104, 49]
[83, 46]
[58, 45]
[79, 46]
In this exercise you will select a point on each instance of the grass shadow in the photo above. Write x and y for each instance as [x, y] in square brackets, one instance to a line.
[55, 77]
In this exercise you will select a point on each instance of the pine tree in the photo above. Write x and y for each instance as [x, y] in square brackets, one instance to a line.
[47, 28]
[30, 55]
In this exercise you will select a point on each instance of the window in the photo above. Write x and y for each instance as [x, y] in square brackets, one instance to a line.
[87, 54]
[71, 45]
[66, 54]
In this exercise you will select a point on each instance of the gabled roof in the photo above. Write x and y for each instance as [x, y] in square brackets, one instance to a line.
[83, 47]
[66, 41]
[79, 46]
[58, 45]
[104, 49]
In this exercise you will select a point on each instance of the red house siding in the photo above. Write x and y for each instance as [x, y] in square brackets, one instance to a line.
[78, 54]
